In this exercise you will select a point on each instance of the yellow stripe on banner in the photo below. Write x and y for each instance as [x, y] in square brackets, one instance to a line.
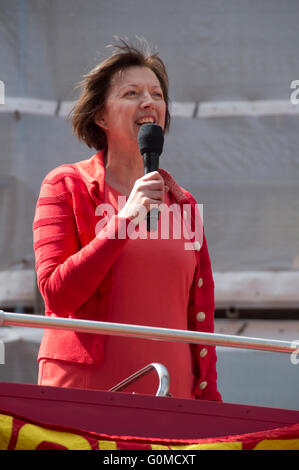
[211, 446]
[107, 445]
[30, 436]
[159, 447]
[6, 423]
[278, 444]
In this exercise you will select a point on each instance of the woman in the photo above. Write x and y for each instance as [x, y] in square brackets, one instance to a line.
[87, 269]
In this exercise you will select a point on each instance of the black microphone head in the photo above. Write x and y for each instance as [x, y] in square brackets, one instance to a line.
[150, 139]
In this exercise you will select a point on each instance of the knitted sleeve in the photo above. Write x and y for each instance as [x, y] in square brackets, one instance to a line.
[68, 274]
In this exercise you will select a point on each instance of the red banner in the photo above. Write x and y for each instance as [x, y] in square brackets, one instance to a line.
[19, 433]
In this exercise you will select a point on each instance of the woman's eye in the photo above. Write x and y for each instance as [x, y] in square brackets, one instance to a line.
[130, 93]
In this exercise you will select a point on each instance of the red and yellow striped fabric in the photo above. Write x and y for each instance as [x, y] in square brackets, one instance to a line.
[17, 433]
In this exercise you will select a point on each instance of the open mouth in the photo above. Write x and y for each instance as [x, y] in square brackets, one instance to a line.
[145, 120]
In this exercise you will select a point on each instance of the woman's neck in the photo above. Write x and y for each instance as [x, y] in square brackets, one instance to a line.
[123, 169]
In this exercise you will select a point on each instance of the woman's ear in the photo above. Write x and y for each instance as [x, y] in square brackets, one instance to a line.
[100, 122]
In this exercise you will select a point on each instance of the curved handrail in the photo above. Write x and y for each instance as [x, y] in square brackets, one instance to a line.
[146, 332]
[163, 389]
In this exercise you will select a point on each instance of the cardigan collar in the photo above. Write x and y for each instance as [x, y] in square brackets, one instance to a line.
[93, 173]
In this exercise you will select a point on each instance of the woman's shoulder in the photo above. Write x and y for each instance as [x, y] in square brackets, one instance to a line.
[85, 171]
[60, 172]
[62, 181]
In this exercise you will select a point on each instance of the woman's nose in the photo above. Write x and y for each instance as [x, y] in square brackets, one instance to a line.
[147, 101]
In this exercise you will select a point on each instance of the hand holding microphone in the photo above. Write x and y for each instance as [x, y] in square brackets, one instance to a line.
[150, 142]
[149, 189]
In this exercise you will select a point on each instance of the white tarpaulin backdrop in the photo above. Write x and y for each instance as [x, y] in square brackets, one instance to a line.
[244, 169]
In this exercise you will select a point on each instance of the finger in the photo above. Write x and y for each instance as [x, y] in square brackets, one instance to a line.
[156, 195]
[153, 175]
[147, 186]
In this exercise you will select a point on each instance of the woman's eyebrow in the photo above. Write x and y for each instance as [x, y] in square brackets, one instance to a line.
[136, 85]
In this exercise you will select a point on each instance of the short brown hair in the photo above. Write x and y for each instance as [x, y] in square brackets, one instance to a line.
[97, 82]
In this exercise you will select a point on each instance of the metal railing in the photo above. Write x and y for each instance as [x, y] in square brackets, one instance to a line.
[146, 332]
[163, 388]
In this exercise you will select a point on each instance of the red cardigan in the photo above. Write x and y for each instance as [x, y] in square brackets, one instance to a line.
[75, 268]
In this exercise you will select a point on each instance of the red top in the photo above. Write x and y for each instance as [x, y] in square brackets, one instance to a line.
[76, 270]
[152, 279]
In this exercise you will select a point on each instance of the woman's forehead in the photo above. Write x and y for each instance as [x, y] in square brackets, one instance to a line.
[134, 75]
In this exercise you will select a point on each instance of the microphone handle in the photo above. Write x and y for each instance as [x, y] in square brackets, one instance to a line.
[151, 163]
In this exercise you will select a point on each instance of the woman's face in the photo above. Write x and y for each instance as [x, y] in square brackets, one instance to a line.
[135, 97]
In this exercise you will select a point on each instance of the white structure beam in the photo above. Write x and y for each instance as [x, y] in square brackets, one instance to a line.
[246, 108]
[177, 109]
[29, 106]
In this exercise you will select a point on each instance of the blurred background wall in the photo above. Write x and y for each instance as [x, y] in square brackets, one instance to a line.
[233, 141]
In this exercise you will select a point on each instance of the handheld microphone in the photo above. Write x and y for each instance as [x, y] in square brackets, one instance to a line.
[150, 142]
